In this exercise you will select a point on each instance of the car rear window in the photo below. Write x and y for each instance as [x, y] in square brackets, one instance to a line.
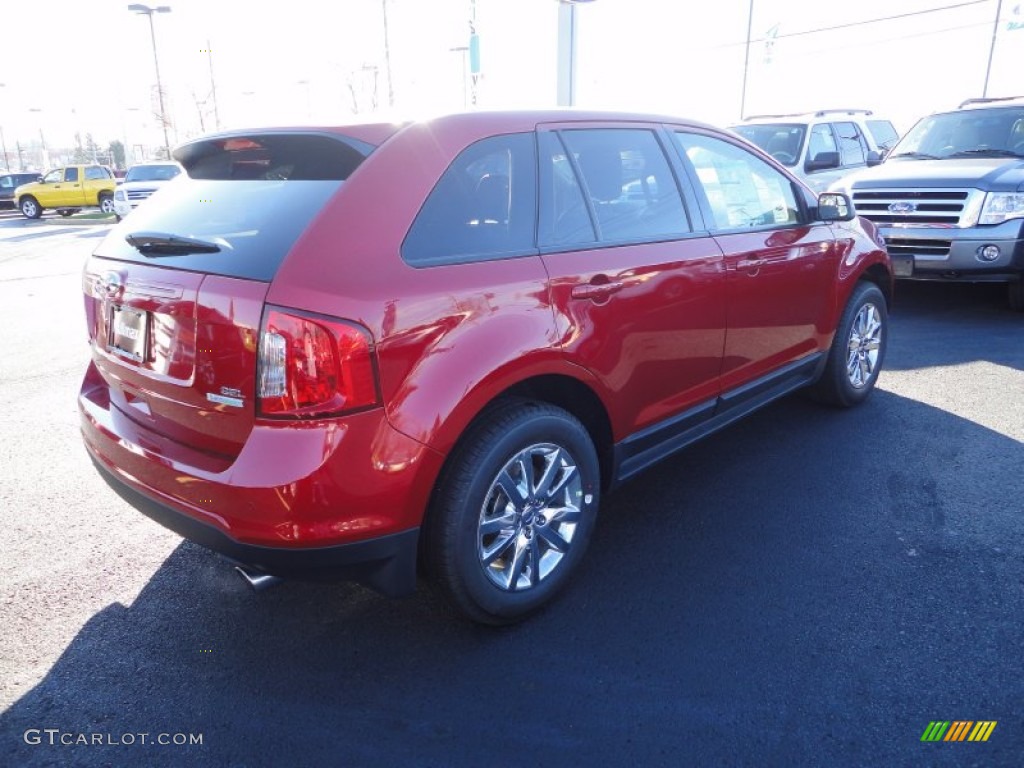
[251, 195]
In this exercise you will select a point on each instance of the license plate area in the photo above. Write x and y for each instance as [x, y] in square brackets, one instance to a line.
[129, 333]
[902, 265]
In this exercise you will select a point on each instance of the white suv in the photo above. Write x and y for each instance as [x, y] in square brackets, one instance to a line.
[141, 181]
[822, 147]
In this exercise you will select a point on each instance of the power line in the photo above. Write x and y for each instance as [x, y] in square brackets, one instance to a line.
[861, 23]
[870, 43]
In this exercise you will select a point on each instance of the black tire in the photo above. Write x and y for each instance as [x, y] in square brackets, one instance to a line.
[65, 212]
[106, 203]
[1015, 294]
[474, 518]
[30, 207]
[850, 376]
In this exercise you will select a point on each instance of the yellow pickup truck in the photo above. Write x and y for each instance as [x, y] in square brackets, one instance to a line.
[67, 190]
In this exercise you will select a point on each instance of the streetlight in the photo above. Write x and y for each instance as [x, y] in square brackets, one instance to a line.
[145, 9]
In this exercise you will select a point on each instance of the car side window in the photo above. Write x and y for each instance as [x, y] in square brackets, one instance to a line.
[483, 207]
[94, 172]
[6, 182]
[743, 191]
[851, 144]
[628, 182]
[821, 140]
[70, 174]
[54, 176]
[884, 134]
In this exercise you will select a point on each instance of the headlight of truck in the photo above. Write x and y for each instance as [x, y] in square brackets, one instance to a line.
[1000, 206]
[120, 195]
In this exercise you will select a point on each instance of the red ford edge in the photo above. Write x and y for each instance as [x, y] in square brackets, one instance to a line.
[343, 353]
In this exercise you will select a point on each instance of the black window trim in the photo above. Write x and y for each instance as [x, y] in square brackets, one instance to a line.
[803, 205]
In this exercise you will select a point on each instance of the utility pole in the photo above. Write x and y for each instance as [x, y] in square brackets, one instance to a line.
[746, 62]
[213, 86]
[992, 48]
[387, 55]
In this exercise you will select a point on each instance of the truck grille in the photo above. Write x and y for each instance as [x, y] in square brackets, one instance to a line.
[138, 195]
[912, 207]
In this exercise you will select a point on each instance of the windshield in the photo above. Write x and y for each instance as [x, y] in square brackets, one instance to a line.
[152, 172]
[997, 132]
[782, 141]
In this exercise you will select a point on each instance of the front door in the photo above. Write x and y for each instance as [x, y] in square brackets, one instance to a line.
[781, 266]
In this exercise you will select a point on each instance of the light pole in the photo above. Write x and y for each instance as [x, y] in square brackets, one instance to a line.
[3, 143]
[148, 12]
[567, 51]
[44, 155]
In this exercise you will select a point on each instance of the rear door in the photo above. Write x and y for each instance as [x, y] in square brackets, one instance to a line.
[781, 266]
[637, 286]
[174, 298]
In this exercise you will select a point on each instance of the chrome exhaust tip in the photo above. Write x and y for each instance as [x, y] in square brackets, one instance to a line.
[258, 580]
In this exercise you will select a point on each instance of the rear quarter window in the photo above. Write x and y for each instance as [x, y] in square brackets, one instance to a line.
[252, 195]
[483, 207]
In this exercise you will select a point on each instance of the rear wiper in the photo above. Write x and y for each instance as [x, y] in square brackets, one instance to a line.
[916, 155]
[991, 151]
[164, 244]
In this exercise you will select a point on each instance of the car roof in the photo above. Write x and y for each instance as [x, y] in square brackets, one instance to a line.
[482, 122]
[821, 113]
[992, 101]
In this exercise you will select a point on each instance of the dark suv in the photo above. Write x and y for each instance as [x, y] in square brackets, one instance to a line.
[10, 181]
[343, 352]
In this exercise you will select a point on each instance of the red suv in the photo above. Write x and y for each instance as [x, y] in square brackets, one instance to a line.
[344, 352]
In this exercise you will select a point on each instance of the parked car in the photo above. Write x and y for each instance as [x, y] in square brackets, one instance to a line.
[12, 180]
[821, 147]
[345, 352]
[949, 199]
[68, 190]
[141, 181]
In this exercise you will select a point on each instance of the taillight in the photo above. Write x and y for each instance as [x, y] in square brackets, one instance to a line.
[313, 367]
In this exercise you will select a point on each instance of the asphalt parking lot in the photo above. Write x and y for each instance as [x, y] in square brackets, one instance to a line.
[809, 587]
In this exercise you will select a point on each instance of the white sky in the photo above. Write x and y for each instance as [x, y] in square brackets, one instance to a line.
[87, 65]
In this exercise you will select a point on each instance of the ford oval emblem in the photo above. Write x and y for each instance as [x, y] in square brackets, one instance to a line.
[111, 282]
[902, 207]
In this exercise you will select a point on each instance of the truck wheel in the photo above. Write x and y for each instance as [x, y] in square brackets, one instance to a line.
[30, 208]
[514, 511]
[107, 203]
[65, 212]
[1015, 293]
[857, 351]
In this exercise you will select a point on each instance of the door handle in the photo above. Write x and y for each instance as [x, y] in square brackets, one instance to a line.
[596, 291]
[751, 263]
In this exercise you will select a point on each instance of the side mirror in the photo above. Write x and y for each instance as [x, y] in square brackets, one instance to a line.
[873, 158]
[822, 161]
[835, 206]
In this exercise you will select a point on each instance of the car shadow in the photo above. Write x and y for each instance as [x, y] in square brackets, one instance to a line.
[796, 587]
[940, 324]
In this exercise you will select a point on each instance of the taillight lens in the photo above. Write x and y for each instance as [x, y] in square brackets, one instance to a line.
[312, 367]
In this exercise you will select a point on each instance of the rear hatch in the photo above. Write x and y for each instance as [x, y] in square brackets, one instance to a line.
[174, 295]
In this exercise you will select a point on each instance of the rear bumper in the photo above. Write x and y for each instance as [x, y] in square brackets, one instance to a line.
[329, 500]
[387, 563]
